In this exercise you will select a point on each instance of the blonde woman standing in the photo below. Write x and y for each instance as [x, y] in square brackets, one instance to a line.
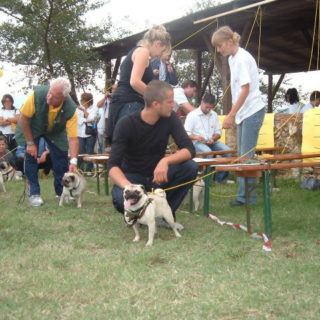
[247, 110]
[135, 74]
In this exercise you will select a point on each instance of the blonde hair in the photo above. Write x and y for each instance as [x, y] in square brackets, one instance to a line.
[224, 34]
[156, 32]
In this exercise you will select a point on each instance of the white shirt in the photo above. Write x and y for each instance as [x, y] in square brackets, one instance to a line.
[162, 71]
[103, 114]
[244, 70]
[179, 98]
[201, 124]
[93, 114]
[306, 107]
[294, 107]
[5, 114]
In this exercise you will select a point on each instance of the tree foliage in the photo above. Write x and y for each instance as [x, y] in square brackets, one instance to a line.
[50, 38]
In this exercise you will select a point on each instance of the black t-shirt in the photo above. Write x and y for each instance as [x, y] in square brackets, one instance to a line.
[137, 147]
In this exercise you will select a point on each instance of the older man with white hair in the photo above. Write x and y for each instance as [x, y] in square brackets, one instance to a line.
[49, 112]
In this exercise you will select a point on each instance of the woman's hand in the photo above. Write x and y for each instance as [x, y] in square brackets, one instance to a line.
[228, 122]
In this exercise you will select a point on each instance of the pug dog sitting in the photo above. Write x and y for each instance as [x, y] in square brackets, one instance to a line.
[141, 207]
[74, 185]
[7, 173]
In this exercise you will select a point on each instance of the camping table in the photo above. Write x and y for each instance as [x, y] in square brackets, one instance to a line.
[254, 170]
[100, 159]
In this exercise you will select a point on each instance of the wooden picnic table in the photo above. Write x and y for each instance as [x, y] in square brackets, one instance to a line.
[255, 170]
[100, 159]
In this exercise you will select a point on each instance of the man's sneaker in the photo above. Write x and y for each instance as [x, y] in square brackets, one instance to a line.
[35, 200]
[236, 203]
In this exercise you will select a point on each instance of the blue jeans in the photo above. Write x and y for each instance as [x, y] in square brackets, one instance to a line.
[177, 174]
[101, 143]
[86, 145]
[248, 132]
[130, 107]
[60, 165]
[220, 176]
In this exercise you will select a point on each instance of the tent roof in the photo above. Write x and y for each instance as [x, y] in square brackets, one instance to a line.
[286, 33]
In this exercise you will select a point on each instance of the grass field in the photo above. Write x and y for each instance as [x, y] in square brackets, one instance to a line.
[68, 263]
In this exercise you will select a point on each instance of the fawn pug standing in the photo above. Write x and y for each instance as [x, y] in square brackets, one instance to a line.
[145, 208]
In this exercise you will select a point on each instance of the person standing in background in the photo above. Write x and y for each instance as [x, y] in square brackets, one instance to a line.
[135, 74]
[9, 117]
[248, 109]
[163, 70]
[103, 106]
[87, 129]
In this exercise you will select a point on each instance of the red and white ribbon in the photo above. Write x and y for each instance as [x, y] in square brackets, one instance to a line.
[257, 235]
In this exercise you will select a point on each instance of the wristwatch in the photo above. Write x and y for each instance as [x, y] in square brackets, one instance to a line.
[30, 143]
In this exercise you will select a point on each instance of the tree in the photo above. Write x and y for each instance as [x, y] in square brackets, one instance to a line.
[49, 38]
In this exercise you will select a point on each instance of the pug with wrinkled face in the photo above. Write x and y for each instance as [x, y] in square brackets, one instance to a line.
[74, 185]
[141, 207]
[7, 173]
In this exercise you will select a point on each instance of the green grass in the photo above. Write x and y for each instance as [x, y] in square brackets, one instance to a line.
[69, 263]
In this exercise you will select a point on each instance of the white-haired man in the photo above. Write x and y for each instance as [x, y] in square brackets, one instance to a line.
[49, 112]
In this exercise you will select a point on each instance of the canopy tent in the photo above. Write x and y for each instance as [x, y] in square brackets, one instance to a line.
[288, 40]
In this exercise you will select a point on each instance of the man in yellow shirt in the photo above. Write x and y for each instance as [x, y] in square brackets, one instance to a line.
[49, 112]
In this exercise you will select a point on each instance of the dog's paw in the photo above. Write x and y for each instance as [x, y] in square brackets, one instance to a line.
[136, 239]
[149, 244]
[178, 235]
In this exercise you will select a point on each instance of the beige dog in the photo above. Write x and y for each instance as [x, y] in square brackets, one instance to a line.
[198, 194]
[145, 208]
[74, 185]
[7, 173]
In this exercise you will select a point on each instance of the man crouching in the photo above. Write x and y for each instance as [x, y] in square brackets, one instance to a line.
[138, 151]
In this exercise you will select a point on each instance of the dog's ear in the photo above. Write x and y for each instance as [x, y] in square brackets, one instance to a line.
[143, 188]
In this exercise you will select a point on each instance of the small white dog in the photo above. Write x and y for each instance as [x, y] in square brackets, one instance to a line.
[198, 194]
[7, 173]
[141, 207]
[74, 185]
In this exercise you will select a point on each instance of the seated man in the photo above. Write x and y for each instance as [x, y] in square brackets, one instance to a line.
[43, 158]
[182, 95]
[139, 146]
[314, 102]
[203, 128]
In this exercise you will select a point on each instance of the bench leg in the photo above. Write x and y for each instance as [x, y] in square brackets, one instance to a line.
[267, 204]
[98, 179]
[247, 204]
[106, 180]
[206, 192]
[191, 200]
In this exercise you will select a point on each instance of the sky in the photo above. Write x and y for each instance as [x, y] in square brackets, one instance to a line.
[137, 16]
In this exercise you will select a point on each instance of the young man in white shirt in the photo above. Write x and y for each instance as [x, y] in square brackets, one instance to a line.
[203, 127]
